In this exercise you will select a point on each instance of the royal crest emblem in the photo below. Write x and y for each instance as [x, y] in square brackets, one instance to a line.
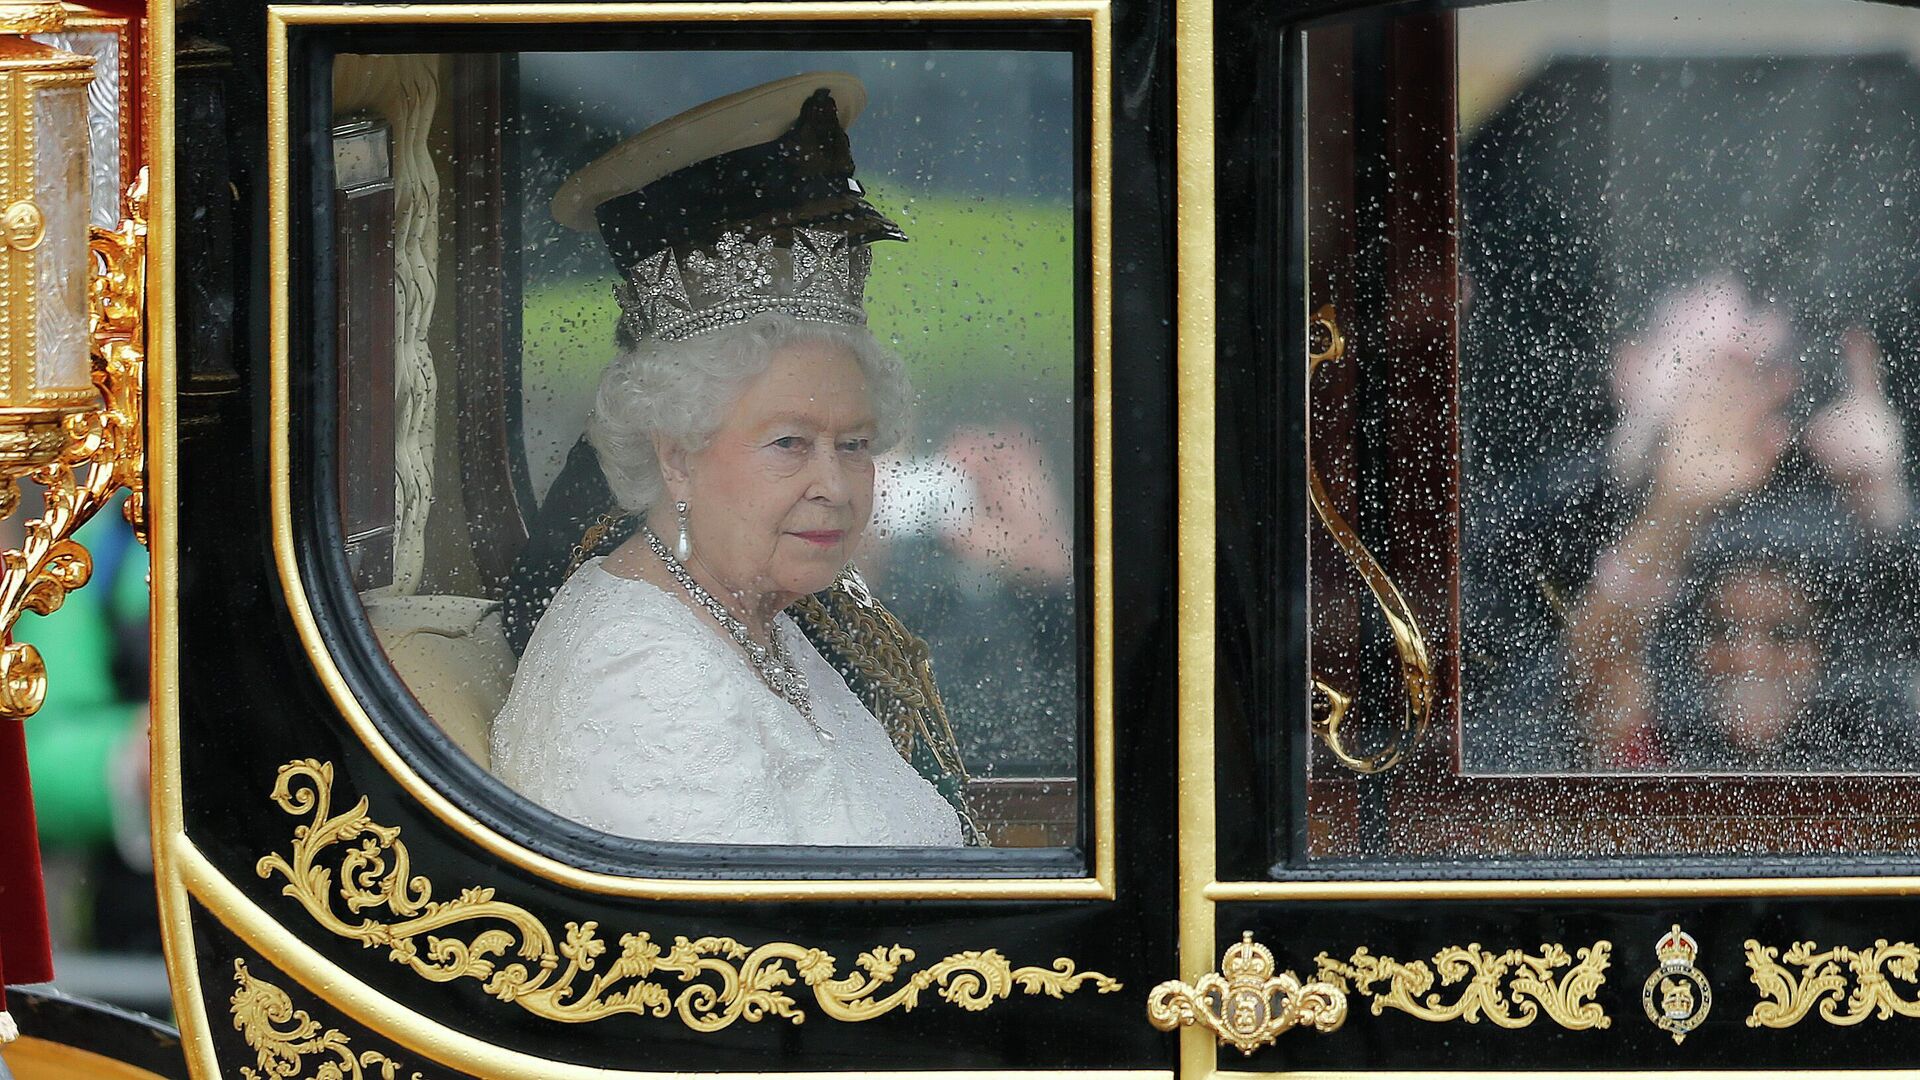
[1245, 1004]
[1677, 995]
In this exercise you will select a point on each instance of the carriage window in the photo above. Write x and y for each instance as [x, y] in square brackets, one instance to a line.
[1687, 524]
[711, 464]
[1615, 426]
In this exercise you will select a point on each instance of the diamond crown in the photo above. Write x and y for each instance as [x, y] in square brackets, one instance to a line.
[820, 277]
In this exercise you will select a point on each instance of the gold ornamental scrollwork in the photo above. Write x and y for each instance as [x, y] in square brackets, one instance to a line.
[1245, 1004]
[1509, 989]
[283, 1038]
[1845, 986]
[572, 977]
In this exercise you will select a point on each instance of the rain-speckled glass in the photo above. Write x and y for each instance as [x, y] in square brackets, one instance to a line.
[490, 327]
[1644, 278]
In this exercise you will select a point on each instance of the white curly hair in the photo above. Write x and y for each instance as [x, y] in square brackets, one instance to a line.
[682, 391]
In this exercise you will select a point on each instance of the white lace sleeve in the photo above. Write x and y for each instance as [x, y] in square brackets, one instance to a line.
[634, 729]
[632, 716]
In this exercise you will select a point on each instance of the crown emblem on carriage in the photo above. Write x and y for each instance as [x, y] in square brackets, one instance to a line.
[1677, 948]
[820, 277]
[1677, 995]
[1246, 1004]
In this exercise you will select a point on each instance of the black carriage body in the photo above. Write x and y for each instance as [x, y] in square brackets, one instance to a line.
[330, 854]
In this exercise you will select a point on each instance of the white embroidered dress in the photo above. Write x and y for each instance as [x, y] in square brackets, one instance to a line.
[632, 715]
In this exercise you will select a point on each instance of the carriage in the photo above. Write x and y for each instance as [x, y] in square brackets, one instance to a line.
[1403, 555]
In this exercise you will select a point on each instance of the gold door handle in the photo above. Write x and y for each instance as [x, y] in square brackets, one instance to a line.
[1326, 342]
[1245, 1004]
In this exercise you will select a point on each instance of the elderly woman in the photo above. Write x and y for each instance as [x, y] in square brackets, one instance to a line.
[667, 693]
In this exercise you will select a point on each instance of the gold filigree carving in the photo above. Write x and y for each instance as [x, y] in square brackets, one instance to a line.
[283, 1038]
[1245, 1004]
[96, 452]
[1510, 989]
[1824, 979]
[573, 979]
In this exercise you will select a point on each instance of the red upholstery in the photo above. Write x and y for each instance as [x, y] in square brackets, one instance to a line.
[25, 954]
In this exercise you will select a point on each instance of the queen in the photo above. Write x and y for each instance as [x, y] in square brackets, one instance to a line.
[688, 685]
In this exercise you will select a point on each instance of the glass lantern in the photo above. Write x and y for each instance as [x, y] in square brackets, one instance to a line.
[45, 364]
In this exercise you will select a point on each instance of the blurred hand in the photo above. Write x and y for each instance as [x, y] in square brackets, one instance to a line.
[1726, 436]
[1858, 438]
[1700, 394]
[1016, 525]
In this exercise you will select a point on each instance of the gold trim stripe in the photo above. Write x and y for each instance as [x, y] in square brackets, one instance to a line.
[1100, 886]
[809, 11]
[1609, 1074]
[158, 102]
[1545, 889]
[1194, 320]
[1101, 250]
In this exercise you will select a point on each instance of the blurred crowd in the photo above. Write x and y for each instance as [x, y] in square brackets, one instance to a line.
[1723, 581]
[972, 544]
[1690, 412]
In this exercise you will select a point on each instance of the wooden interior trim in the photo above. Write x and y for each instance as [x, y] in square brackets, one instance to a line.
[486, 298]
[364, 329]
[1383, 248]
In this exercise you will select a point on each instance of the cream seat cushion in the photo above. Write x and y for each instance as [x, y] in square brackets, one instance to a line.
[452, 652]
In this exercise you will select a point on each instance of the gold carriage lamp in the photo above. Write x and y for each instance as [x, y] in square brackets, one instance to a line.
[72, 340]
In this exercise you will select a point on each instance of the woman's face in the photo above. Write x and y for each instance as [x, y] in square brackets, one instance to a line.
[778, 500]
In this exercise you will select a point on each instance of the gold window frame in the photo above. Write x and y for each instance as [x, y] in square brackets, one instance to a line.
[1100, 884]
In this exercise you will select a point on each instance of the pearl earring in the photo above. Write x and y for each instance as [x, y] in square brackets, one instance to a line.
[683, 547]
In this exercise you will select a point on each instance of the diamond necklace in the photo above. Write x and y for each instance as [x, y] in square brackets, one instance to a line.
[774, 665]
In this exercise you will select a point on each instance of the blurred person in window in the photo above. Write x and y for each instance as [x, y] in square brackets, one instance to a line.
[1623, 239]
[1760, 662]
[1755, 688]
[1705, 432]
[1738, 675]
